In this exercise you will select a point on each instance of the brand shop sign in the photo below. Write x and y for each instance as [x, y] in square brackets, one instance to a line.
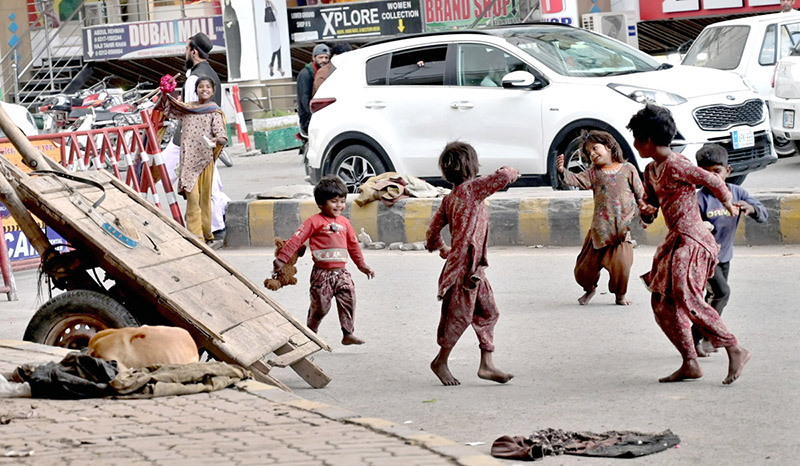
[347, 20]
[149, 38]
[443, 15]
[655, 10]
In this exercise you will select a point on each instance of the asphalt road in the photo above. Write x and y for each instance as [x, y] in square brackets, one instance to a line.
[591, 368]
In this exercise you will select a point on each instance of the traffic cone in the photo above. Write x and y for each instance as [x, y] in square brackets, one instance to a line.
[241, 127]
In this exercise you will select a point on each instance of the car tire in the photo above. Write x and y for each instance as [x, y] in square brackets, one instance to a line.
[574, 161]
[70, 319]
[356, 164]
[783, 147]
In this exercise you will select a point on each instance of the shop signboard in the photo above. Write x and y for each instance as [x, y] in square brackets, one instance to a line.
[681, 9]
[149, 39]
[445, 15]
[354, 20]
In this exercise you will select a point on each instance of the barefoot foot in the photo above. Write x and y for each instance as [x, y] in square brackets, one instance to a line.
[350, 339]
[495, 375]
[443, 372]
[737, 358]
[622, 301]
[689, 370]
[708, 347]
[584, 300]
[701, 352]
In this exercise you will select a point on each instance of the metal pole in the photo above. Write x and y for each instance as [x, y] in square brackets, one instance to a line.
[483, 12]
[49, 53]
[16, 78]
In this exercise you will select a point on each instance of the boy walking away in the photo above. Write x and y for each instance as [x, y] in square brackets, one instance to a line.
[686, 258]
[331, 238]
[617, 190]
[463, 288]
[714, 158]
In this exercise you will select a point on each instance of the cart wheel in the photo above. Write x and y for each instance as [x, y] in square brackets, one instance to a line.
[71, 319]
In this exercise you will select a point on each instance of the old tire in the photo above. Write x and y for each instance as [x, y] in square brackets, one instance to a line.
[356, 164]
[70, 319]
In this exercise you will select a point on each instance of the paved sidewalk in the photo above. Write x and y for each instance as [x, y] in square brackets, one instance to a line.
[250, 424]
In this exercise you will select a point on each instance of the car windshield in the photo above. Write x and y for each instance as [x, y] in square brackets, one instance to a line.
[719, 47]
[576, 52]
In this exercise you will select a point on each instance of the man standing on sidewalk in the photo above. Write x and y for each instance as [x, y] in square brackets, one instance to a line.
[320, 56]
[197, 49]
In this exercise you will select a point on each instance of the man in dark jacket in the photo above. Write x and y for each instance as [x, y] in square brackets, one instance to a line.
[320, 56]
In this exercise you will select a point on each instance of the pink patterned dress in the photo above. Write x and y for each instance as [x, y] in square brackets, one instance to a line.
[687, 257]
[465, 293]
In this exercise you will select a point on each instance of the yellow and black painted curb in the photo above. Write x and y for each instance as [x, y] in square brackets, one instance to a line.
[526, 221]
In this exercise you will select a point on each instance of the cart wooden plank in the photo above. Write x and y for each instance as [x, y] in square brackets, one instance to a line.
[187, 282]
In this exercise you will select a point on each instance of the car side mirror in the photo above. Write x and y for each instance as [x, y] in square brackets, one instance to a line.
[521, 80]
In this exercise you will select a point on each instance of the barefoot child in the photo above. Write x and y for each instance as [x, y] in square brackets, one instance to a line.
[331, 237]
[463, 289]
[686, 258]
[616, 189]
[714, 158]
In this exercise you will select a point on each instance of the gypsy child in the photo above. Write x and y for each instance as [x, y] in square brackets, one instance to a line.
[463, 288]
[331, 238]
[204, 136]
[617, 190]
[686, 258]
[714, 158]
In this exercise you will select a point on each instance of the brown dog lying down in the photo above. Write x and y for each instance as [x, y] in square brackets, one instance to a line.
[136, 347]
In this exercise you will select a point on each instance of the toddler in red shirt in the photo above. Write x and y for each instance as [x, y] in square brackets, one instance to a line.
[331, 238]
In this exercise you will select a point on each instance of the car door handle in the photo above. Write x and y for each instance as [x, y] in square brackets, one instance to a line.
[462, 105]
[375, 104]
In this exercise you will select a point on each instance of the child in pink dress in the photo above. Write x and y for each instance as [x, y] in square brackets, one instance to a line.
[463, 288]
[683, 263]
[617, 189]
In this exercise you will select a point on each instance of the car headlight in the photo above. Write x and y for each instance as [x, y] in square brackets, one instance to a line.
[643, 96]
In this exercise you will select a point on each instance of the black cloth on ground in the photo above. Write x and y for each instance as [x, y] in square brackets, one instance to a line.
[78, 375]
[611, 444]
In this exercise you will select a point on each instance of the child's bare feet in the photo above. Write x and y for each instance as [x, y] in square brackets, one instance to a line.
[487, 371]
[622, 301]
[350, 339]
[708, 347]
[737, 358]
[584, 300]
[689, 370]
[439, 367]
[701, 352]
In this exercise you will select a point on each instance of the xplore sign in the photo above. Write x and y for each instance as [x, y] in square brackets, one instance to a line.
[343, 19]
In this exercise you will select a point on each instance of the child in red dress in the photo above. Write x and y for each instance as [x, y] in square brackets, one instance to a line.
[617, 190]
[463, 288]
[331, 238]
[683, 263]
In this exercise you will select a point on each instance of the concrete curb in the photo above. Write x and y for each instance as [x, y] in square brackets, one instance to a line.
[460, 454]
[552, 219]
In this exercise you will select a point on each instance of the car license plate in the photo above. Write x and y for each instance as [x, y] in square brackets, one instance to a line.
[742, 138]
[788, 119]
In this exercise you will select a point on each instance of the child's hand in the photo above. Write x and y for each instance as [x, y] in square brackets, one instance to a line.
[444, 252]
[366, 270]
[646, 209]
[221, 141]
[733, 209]
[277, 265]
[560, 163]
[746, 208]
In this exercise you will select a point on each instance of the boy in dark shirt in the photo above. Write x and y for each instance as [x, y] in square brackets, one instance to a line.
[714, 158]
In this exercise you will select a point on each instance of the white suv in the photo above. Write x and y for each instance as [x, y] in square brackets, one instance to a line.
[521, 95]
[750, 47]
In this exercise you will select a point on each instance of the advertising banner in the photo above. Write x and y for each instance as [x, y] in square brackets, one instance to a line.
[571, 11]
[650, 10]
[149, 39]
[444, 15]
[18, 245]
[349, 20]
